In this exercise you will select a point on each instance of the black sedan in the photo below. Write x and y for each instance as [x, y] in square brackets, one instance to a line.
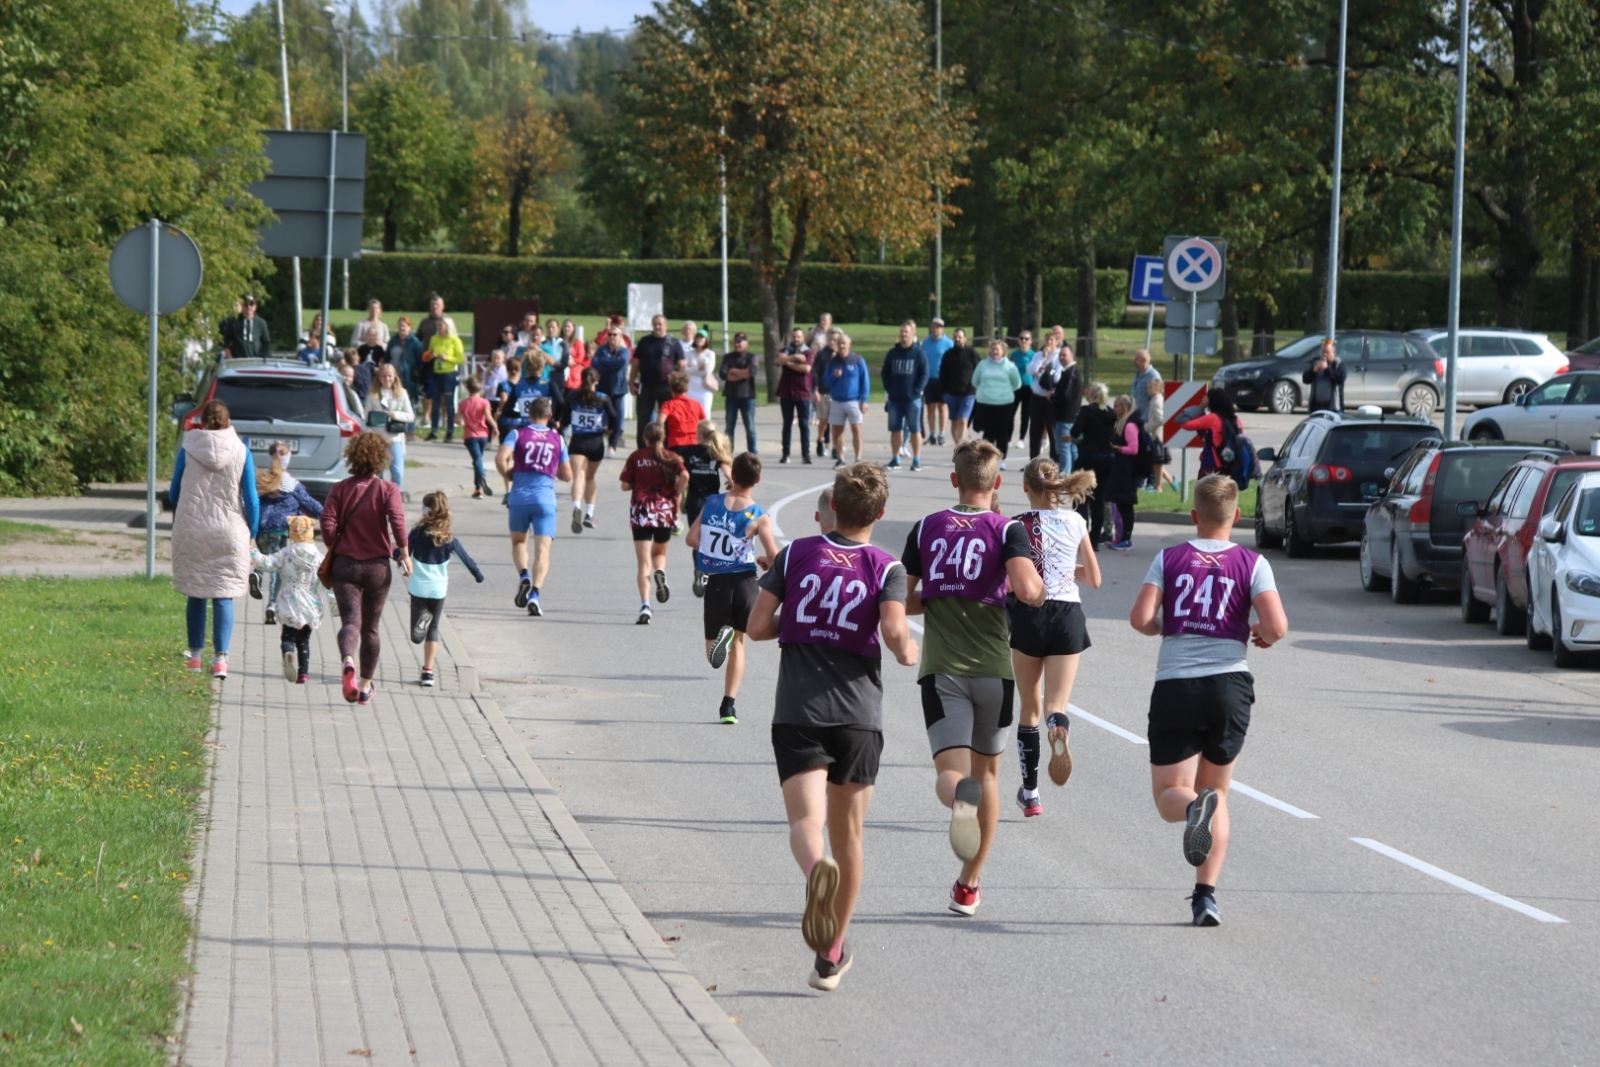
[1392, 370]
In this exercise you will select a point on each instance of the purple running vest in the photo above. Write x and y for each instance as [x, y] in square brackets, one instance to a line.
[1206, 594]
[961, 555]
[537, 449]
[830, 595]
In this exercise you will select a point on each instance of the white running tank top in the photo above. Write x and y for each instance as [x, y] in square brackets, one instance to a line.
[1054, 537]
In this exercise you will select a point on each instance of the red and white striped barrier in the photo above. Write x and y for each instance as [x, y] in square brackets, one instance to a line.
[1180, 395]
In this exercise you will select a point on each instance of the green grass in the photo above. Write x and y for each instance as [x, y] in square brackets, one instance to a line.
[13, 532]
[1167, 500]
[102, 740]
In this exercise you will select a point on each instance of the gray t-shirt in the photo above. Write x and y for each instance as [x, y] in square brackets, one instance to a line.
[820, 686]
[1194, 656]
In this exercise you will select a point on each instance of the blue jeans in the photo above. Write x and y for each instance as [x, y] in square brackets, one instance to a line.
[221, 624]
[397, 461]
[475, 450]
[748, 408]
[791, 410]
[1066, 451]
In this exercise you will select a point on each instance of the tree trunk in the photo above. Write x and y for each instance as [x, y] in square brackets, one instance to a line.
[983, 303]
[514, 221]
[1317, 298]
[1594, 300]
[1088, 316]
[1579, 268]
[1265, 328]
[1033, 299]
[1518, 257]
[1228, 315]
[763, 252]
[1014, 308]
[791, 293]
[390, 230]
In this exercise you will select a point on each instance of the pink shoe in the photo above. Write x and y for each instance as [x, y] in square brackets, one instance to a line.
[303, 679]
[192, 664]
[352, 686]
[219, 669]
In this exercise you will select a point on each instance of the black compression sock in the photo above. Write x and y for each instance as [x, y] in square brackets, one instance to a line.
[1028, 754]
[1203, 890]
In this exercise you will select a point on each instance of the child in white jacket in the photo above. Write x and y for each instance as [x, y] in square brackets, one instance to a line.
[298, 603]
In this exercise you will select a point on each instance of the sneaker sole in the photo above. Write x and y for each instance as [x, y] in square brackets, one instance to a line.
[643, 620]
[1197, 833]
[966, 837]
[663, 594]
[255, 585]
[718, 653]
[1208, 918]
[820, 926]
[963, 909]
[577, 522]
[291, 667]
[524, 591]
[1060, 756]
[1036, 811]
[830, 983]
[426, 683]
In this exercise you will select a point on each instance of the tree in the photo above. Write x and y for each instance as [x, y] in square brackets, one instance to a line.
[413, 178]
[824, 114]
[516, 159]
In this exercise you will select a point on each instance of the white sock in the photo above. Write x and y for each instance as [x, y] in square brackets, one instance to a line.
[588, 511]
[1031, 794]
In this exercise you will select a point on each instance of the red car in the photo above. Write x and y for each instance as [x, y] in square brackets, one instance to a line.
[1497, 544]
[1585, 356]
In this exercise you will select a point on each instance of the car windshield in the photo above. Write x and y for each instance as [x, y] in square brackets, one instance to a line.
[1467, 474]
[1376, 445]
[276, 399]
[1303, 347]
[1558, 489]
[1586, 520]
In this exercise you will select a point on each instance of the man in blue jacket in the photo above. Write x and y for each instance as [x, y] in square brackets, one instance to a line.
[905, 375]
[610, 361]
[934, 346]
[849, 384]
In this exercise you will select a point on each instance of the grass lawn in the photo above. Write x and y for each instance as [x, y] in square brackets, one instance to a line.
[13, 532]
[102, 741]
[1167, 500]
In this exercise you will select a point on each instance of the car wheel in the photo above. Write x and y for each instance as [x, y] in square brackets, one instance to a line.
[1537, 641]
[1509, 620]
[1419, 399]
[1563, 656]
[1295, 545]
[1402, 590]
[1485, 431]
[1265, 540]
[1371, 580]
[1517, 388]
[1473, 610]
[1282, 398]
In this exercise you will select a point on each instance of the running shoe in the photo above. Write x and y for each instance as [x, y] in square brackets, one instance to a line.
[784, 458]
[644, 615]
[302, 678]
[1003, 465]
[678, 527]
[577, 521]
[255, 585]
[894, 464]
[663, 594]
[477, 494]
[1060, 754]
[1197, 832]
[916, 464]
[350, 686]
[728, 717]
[588, 522]
[1123, 545]
[819, 925]
[964, 898]
[291, 665]
[805, 457]
[488, 492]
[699, 587]
[272, 618]
[838, 461]
[1205, 910]
[535, 608]
[365, 696]
[1030, 806]
[825, 974]
[524, 589]
[427, 679]
[965, 836]
[419, 629]
[219, 669]
[718, 653]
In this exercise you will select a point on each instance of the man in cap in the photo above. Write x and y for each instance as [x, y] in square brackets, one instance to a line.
[245, 336]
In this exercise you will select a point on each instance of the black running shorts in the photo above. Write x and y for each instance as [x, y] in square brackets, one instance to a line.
[588, 446]
[659, 534]
[849, 752]
[1054, 628]
[1205, 716]
[729, 598]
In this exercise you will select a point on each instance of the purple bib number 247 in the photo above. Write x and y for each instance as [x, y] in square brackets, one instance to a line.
[1206, 594]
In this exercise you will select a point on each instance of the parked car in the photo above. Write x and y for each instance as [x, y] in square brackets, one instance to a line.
[1563, 412]
[1585, 356]
[1564, 576]
[1312, 492]
[1414, 526]
[1500, 541]
[280, 400]
[1392, 370]
[1497, 366]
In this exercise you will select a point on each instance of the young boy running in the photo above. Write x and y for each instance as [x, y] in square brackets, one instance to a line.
[533, 459]
[837, 593]
[1198, 597]
[723, 537]
[958, 562]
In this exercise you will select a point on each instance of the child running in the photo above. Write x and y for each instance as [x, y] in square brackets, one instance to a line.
[654, 478]
[474, 412]
[297, 603]
[1047, 640]
[958, 562]
[837, 593]
[710, 460]
[589, 415]
[533, 459]
[723, 537]
[1195, 596]
[432, 544]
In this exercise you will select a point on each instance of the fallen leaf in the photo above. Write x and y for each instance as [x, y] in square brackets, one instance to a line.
[77, 1027]
[122, 885]
[712, 988]
[359, 1052]
[7, 1037]
[571, 753]
[1433, 679]
[1161, 999]
[735, 1018]
[672, 938]
[136, 946]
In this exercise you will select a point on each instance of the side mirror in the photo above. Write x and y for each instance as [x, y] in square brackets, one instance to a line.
[1267, 455]
[1468, 509]
[182, 406]
[377, 419]
[1550, 530]
[1371, 491]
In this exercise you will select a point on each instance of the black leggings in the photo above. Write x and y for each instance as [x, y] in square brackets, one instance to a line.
[1103, 467]
[297, 639]
[993, 421]
[361, 587]
[1042, 427]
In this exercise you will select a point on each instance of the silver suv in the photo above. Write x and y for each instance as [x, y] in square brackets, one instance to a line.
[282, 400]
[1497, 366]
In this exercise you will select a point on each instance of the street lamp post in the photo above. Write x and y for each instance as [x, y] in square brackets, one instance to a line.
[288, 124]
[344, 104]
[1458, 202]
[1338, 174]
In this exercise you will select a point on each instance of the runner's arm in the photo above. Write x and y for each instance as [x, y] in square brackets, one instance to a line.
[564, 472]
[1088, 568]
[1025, 581]
[768, 542]
[1146, 614]
[763, 623]
[692, 538]
[896, 631]
[1272, 623]
[503, 460]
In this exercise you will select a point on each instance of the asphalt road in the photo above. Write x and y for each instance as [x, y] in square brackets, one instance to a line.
[1437, 743]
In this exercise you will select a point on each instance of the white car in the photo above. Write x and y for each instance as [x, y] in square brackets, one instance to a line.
[1497, 366]
[1566, 409]
[1564, 576]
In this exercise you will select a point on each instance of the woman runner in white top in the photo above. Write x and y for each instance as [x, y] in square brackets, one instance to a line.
[1046, 641]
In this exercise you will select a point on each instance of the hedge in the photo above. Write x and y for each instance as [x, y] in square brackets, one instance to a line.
[856, 293]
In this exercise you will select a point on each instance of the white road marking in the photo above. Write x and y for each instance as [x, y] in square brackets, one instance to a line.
[777, 530]
[1460, 883]
[1271, 801]
[1126, 735]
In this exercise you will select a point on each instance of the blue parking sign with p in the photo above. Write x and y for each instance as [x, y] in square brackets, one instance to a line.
[1145, 281]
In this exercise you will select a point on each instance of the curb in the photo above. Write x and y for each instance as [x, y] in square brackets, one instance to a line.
[685, 988]
[1169, 518]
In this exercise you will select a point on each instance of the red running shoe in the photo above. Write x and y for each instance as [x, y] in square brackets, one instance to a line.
[192, 664]
[352, 687]
[964, 898]
[1030, 806]
[219, 669]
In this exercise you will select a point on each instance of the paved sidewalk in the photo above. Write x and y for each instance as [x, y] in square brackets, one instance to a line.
[399, 883]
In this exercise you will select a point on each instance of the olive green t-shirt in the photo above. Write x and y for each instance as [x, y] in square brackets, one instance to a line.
[963, 637]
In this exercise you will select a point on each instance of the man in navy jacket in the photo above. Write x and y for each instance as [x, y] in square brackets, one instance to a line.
[905, 375]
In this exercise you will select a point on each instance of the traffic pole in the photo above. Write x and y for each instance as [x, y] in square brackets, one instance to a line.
[1459, 195]
[1183, 462]
[1149, 327]
[1338, 174]
[150, 444]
